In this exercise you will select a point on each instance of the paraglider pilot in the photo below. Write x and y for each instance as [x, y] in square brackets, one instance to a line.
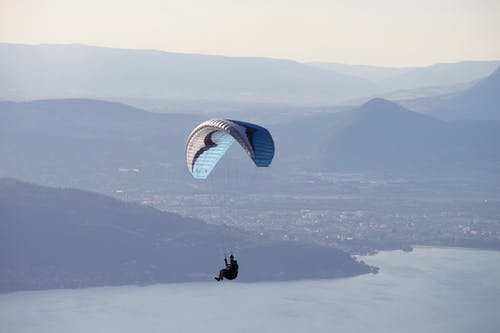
[231, 270]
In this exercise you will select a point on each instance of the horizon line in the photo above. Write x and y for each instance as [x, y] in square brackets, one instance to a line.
[243, 56]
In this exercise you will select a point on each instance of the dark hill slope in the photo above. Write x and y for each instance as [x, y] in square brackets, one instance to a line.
[65, 238]
[77, 137]
[101, 146]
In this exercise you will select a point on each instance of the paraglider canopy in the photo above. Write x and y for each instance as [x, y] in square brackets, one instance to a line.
[210, 140]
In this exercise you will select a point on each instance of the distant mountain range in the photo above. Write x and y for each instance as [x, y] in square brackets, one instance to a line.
[481, 101]
[78, 137]
[375, 74]
[69, 71]
[64, 142]
[66, 238]
[162, 80]
[381, 136]
[97, 145]
[444, 75]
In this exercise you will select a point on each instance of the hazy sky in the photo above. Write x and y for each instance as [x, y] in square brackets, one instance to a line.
[382, 32]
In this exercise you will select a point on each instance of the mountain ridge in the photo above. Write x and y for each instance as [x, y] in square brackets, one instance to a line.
[381, 136]
[107, 73]
[394, 79]
[479, 102]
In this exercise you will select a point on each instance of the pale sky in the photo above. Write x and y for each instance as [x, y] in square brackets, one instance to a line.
[375, 32]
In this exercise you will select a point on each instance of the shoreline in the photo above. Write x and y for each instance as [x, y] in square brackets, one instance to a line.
[416, 246]
[455, 247]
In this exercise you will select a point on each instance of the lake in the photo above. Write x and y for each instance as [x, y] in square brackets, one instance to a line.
[427, 290]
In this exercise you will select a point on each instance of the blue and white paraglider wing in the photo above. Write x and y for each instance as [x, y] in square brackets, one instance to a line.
[210, 140]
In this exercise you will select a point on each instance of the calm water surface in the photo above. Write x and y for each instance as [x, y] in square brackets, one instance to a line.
[427, 290]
